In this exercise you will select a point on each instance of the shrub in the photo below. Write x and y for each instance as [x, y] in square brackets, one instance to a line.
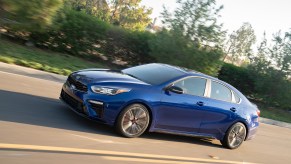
[76, 33]
[239, 77]
[268, 87]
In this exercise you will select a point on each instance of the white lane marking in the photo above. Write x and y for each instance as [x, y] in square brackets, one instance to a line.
[113, 153]
[125, 159]
[98, 140]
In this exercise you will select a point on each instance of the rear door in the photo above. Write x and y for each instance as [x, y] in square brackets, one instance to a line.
[220, 111]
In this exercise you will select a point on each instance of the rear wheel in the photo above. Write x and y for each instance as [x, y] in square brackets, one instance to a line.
[234, 136]
[133, 121]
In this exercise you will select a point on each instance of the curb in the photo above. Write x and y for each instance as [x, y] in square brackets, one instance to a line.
[20, 70]
[274, 122]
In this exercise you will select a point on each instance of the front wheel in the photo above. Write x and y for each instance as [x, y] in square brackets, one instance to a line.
[133, 121]
[234, 136]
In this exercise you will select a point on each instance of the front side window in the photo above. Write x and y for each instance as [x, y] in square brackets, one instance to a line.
[220, 92]
[192, 86]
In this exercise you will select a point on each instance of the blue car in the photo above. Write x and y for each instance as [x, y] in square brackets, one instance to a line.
[162, 98]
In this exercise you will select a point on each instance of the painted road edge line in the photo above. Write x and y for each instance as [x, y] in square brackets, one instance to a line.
[106, 152]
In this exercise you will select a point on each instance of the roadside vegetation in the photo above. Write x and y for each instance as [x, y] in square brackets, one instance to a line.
[78, 34]
[49, 61]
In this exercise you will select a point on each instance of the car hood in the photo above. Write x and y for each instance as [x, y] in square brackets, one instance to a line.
[103, 75]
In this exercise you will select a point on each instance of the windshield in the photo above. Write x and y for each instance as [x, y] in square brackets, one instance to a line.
[154, 74]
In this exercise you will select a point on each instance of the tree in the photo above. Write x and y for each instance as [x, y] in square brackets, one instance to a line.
[33, 15]
[260, 61]
[130, 14]
[198, 21]
[125, 13]
[192, 38]
[280, 52]
[270, 69]
[97, 8]
[239, 43]
[277, 55]
[172, 47]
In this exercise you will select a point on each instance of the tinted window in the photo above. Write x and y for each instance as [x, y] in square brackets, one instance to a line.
[192, 86]
[220, 92]
[153, 73]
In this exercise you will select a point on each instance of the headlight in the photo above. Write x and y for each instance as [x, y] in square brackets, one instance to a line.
[108, 90]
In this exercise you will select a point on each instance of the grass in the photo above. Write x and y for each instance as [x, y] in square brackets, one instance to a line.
[43, 60]
[275, 114]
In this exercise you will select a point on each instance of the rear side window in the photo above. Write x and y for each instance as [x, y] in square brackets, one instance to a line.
[192, 86]
[236, 98]
[220, 92]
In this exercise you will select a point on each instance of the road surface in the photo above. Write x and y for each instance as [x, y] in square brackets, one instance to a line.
[35, 127]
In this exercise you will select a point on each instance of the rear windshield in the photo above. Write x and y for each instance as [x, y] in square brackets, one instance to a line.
[154, 74]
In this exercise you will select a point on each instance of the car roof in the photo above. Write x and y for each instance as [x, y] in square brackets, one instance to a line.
[189, 71]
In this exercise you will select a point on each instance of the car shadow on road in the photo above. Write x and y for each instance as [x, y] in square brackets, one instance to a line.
[48, 112]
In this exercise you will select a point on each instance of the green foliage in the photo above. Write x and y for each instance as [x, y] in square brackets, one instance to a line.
[280, 52]
[128, 14]
[193, 39]
[240, 42]
[276, 56]
[33, 15]
[97, 8]
[77, 33]
[43, 60]
[129, 46]
[173, 48]
[238, 77]
[271, 68]
[197, 20]
[268, 87]
[82, 35]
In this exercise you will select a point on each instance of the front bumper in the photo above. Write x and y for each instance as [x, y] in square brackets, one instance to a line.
[93, 110]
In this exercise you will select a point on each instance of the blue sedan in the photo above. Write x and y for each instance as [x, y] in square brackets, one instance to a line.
[162, 98]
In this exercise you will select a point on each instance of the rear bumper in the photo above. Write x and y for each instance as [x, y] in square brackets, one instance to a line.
[252, 131]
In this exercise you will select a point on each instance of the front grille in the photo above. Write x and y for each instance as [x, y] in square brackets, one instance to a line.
[79, 86]
[75, 104]
[98, 108]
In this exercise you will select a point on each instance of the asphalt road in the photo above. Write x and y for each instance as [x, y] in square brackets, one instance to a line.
[35, 127]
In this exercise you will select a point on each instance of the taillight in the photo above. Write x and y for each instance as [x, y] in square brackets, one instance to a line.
[258, 112]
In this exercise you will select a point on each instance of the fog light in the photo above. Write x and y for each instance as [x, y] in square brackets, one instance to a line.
[95, 102]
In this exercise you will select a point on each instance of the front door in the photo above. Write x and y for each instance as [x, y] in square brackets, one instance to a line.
[183, 112]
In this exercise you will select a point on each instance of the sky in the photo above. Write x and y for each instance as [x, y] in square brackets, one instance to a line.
[264, 15]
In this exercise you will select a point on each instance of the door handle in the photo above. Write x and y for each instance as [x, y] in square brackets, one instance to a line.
[200, 103]
[233, 109]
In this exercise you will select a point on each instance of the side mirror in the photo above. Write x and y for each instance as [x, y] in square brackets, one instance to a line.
[176, 89]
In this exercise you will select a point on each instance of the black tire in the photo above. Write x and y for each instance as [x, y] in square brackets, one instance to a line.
[234, 136]
[133, 121]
